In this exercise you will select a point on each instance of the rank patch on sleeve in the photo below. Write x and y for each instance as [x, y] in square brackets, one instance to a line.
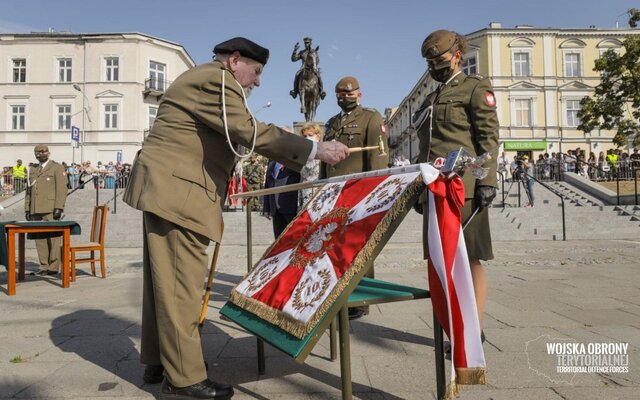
[490, 99]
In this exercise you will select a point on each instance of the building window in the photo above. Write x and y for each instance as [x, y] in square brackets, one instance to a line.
[112, 68]
[19, 70]
[573, 106]
[111, 116]
[156, 75]
[572, 65]
[470, 65]
[521, 64]
[17, 117]
[523, 112]
[153, 112]
[64, 70]
[64, 117]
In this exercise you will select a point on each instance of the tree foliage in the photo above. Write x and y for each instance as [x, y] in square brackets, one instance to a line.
[616, 102]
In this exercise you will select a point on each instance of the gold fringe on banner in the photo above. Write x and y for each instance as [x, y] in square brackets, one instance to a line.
[465, 376]
[299, 329]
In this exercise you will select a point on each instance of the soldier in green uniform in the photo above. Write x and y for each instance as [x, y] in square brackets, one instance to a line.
[254, 175]
[461, 113]
[179, 181]
[44, 201]
[355, 126]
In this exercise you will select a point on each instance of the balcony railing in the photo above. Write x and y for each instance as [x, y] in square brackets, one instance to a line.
[155, 87]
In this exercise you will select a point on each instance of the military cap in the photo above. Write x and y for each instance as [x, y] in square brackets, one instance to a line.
[41, 147]
[307, 39]
[347, 84]
[438, 43]
[245, 47]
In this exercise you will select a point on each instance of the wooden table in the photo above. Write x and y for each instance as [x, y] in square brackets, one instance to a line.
[36, 227]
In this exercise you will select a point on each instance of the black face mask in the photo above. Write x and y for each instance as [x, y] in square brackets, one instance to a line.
[441, 72]
[347, 104]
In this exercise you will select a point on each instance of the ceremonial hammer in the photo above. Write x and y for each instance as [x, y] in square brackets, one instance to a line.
[380, 147]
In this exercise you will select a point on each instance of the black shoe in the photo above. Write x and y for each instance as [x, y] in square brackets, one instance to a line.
[153, 374]
[293, 93]
[355, 313]
[482, 338]
[322, 95]
[204, 390]
[46, 272]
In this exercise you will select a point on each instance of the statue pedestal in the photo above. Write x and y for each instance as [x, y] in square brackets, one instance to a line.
[297, 126]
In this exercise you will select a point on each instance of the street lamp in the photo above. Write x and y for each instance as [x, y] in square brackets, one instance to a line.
[263, 107]
[84, 112]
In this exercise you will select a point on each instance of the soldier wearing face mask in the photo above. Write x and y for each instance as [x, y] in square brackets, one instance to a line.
[355, 126]
[461, 113]
[44, 201]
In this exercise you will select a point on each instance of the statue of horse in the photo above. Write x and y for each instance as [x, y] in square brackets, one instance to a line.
[309, 93]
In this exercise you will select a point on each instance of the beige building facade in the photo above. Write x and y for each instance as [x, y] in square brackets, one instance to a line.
[539, 77]
[103, 87]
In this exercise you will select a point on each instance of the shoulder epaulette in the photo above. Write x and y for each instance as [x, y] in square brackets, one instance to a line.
[370, 109]
[476, 76]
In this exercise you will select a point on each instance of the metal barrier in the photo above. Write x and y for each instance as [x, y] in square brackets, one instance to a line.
[544, 185]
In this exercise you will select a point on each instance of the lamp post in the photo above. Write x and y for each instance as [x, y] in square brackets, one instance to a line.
[263, 107]
[84, 112]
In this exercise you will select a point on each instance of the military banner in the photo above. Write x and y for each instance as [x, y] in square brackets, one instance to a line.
[316, 257]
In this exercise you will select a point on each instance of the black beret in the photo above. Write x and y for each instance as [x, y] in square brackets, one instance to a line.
[245, 47]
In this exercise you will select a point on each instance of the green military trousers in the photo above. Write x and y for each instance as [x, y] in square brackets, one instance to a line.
[49, 249]
[174, 269]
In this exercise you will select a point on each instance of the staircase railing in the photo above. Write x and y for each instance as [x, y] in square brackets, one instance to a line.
[562, 197]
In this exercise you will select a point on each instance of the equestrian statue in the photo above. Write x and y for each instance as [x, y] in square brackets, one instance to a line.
[307, 83]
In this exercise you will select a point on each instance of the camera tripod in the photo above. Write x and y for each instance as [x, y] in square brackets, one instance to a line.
[518, 175]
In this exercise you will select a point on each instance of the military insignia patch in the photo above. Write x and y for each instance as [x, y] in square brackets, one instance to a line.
[490, 99]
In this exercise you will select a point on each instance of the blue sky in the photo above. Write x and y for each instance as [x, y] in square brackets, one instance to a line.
[376, 41]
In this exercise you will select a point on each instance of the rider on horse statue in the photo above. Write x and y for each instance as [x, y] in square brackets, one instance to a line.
[310, 59]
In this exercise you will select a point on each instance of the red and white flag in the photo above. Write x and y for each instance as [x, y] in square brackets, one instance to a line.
[450, 282]
[330, 241]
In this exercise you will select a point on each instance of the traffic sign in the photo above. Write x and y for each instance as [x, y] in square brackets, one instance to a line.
[119, 156]
[75, 133]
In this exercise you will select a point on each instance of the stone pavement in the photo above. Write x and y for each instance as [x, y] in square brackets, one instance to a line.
[83, 342]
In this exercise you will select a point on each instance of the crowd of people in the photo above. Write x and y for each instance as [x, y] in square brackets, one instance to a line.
[612, 165]
[108, 175]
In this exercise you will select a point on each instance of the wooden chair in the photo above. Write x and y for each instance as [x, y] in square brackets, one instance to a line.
[96, 243]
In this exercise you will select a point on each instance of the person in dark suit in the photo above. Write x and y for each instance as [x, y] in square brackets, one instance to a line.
[282, 207]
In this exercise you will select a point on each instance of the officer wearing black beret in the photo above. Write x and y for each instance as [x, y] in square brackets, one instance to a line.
[461, 113]
[179, 182]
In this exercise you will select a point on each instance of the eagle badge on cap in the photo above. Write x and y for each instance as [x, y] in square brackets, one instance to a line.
[349, 87]
[432, 52]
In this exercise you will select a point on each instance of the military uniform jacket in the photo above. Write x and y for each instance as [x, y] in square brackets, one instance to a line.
[464, 115]
[181, 172]
[360, 128]
[48, 189]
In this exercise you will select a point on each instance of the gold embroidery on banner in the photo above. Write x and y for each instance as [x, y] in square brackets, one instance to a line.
[326, 195]
[384, 194]
[317, 289]
[262, 274]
